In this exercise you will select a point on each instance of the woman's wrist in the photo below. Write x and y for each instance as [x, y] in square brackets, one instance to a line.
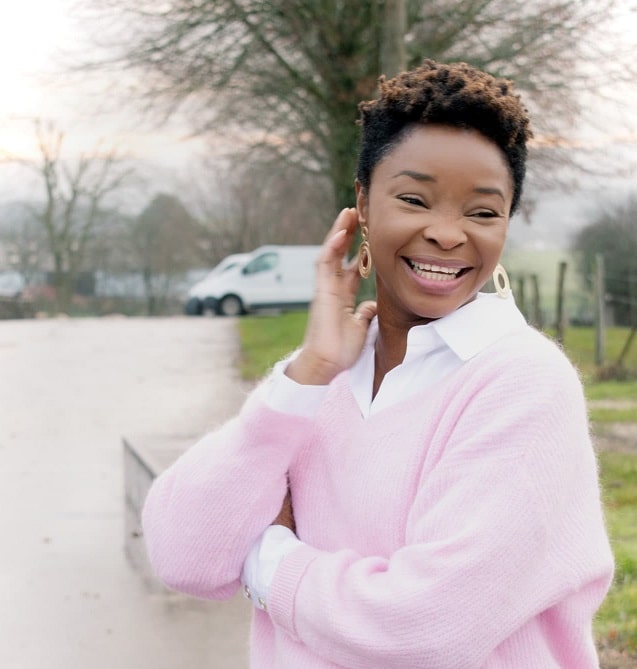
[308, 369]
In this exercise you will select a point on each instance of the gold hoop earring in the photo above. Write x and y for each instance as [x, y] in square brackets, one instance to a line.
[501, 282]
[364, 255]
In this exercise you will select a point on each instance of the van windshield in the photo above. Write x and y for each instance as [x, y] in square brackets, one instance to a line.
[229, 266]
[262, 263]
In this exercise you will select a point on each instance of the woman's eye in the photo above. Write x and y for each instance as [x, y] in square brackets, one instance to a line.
[484, 213]
[412, 199]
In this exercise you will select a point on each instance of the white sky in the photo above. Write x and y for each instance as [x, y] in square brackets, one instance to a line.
[32, 32]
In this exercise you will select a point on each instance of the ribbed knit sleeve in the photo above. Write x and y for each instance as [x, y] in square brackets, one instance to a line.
[504, 533]
[202, 514]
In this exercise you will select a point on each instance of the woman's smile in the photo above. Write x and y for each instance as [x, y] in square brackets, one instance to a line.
[438, 277]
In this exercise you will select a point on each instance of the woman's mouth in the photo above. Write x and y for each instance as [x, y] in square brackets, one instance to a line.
[433, 272]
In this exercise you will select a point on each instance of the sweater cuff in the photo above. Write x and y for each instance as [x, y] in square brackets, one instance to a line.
[282, 595]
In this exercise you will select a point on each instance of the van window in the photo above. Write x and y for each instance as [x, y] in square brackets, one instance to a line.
[262, 263]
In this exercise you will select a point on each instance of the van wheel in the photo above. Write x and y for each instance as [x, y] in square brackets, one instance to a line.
[231, 305]
[210, 305]
[193, 307]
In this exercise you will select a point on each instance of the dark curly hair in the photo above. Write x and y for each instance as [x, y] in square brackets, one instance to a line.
[457, 95]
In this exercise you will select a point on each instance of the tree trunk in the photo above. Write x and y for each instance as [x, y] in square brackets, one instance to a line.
[147, 277]
[393, 55]
[343, 159]
[63, 284]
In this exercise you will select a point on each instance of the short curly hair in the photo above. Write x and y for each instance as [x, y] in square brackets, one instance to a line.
[455, 94]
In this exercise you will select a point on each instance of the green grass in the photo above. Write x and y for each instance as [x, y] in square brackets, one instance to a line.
[604, 415]
[617, 619]
[267, 339]
[579, 344]
[611, 390]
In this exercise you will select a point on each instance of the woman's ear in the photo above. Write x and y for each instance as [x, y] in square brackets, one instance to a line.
[362, 203]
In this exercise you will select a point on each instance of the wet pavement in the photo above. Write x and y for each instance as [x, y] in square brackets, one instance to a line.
[69, 391]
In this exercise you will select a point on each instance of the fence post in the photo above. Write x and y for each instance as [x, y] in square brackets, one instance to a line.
[520, 297]
[600, 311]
[536, 302]
[632, 306]
[559, 310]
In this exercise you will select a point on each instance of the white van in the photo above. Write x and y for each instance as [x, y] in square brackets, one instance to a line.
[271, 277]
[195, 304]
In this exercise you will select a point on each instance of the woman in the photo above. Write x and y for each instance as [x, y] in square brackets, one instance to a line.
[444, 494]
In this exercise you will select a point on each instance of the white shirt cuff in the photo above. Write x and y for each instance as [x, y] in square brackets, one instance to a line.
[263, 560]
[288, 396]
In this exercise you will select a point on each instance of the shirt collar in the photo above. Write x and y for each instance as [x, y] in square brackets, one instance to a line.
[467, 331]
[478, 324]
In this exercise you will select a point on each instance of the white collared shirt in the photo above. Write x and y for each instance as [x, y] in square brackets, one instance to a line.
[433, 351]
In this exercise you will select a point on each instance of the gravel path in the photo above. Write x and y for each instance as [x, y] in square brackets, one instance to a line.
[69, 390]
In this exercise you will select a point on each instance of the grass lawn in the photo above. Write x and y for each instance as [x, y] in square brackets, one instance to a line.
[266, 339]
[616, 624]
[579, 343]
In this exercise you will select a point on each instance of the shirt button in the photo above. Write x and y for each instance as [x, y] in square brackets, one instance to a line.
[246, 592]
[262, 604]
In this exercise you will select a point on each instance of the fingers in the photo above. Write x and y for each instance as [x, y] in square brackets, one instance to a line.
[352, 279]
[337, 243]
[366, 310]
[341, 235]
[346, 220]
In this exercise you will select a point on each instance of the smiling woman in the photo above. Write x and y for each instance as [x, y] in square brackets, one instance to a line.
[416, 486]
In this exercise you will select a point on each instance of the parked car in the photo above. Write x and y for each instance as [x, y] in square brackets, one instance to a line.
[280, 277]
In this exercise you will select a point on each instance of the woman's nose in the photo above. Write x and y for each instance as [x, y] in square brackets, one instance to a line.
[445, 233]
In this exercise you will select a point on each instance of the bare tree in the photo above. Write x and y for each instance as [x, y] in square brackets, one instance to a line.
[247, 203]
[74, 203]
[165, 239]
[291, 73]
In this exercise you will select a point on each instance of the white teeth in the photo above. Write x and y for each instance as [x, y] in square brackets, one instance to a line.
[434, 272]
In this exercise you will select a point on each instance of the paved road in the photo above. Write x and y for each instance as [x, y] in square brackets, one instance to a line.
[69, 389]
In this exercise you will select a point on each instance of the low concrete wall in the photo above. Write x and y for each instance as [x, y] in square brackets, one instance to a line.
[143, 461]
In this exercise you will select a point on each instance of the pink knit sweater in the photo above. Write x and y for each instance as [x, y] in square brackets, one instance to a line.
[459, 529]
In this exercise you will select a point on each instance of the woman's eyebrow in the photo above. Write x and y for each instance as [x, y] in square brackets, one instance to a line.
[489, 191]
[419, 176]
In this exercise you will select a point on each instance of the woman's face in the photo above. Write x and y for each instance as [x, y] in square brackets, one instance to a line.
[437, 215]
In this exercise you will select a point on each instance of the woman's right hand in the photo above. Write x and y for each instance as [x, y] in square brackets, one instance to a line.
[336, 328]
